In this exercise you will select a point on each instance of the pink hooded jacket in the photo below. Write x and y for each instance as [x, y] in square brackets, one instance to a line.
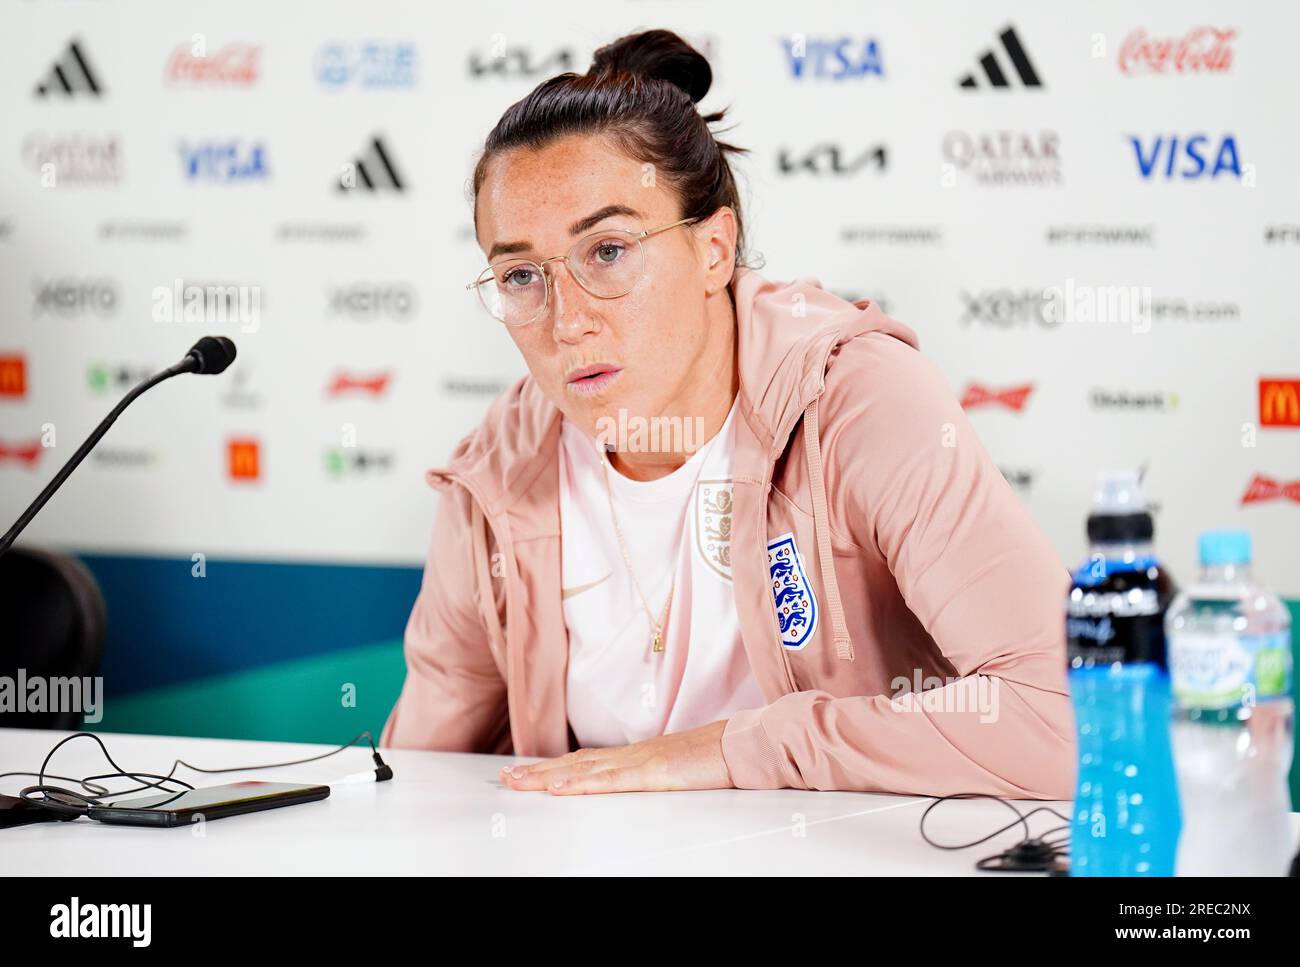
[937, 661]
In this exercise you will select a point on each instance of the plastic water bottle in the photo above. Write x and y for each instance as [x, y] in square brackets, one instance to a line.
[1126, 811]
[1230, 665]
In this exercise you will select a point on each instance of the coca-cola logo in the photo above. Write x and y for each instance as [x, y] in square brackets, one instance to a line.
[1201, 49]
[235, 65]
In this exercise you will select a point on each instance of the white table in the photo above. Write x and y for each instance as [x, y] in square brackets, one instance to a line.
[446, 813]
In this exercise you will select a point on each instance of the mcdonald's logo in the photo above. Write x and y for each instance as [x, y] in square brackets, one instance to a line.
[1279, 402]
[244, 460]
[13, 377]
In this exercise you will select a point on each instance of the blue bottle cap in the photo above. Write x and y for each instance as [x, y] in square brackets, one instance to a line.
[1224, 547]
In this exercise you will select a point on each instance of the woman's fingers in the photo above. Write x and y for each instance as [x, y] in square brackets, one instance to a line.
[539, 775]
[614, 779]
[679, 760]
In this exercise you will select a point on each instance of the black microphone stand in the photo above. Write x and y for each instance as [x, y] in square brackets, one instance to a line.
[186, 365]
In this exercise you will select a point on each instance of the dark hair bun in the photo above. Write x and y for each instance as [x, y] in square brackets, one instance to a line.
[660, 54]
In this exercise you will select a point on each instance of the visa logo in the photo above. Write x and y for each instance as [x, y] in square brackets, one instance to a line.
[223, 161]
[835, 58]
[1170, 156]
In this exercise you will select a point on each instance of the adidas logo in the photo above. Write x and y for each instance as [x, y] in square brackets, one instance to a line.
[372, 170]
[70, 75]
[994, 74]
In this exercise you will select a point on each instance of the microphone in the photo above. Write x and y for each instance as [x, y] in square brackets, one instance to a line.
[210, 355]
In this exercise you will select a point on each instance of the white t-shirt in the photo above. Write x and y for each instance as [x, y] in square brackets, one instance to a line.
[677, 527]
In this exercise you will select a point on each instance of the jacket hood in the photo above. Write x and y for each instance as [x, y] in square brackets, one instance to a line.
[786, 335]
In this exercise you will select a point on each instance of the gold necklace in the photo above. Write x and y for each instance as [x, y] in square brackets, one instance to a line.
[657, 639]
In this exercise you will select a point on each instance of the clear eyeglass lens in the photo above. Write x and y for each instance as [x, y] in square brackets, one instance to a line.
[608, 263]
[514, 292]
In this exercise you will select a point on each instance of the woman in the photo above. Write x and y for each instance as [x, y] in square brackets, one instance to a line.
[836, 590]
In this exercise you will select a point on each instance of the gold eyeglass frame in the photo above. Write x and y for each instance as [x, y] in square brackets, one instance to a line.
[637, 237]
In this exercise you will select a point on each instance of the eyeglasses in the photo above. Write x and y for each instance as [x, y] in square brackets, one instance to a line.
[608, 264]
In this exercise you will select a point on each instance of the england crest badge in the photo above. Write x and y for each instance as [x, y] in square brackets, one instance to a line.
[796, 606]
[713, 510]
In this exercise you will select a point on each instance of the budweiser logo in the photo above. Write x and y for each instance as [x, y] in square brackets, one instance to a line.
[346, 383]
[1201, 49]
[1013, 397]
[232, 65]
[21, 452]
[1263, 488]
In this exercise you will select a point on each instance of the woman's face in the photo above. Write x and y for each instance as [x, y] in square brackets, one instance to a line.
[592, 356]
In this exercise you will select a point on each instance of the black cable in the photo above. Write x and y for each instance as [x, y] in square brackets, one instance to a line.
[84, 783]
[276, 765]
[1033, 854]
[47, 800]
[56, 798]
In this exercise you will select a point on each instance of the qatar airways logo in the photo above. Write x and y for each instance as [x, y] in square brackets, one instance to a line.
[1206, 50]
[73, 159]
[1002, 158]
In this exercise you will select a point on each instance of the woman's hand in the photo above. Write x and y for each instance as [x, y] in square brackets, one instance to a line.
[679, 760]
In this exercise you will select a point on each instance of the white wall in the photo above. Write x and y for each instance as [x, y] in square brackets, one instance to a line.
[161, 484]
